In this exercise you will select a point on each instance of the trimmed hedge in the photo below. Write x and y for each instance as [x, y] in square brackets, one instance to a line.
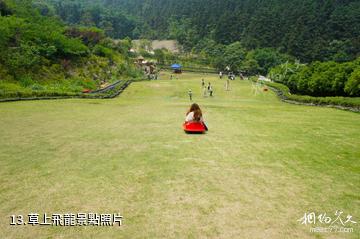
[320, 79]
[191, 69]
[39, 95]
[350, 103]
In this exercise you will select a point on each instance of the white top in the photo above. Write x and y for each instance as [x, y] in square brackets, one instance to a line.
[190, 117]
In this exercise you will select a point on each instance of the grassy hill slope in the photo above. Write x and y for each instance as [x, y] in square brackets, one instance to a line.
[262, 165]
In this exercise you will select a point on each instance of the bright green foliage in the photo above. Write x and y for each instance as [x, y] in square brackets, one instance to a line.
[251, 66]
[159, 56]
[353, 102]
[233, 56]
[68, 47]
[103, 51]
[319, 78]
[262, 59]
[352, 86]
[90, 36]
[43, 56]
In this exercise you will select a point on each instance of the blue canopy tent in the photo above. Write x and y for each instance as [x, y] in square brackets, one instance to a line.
[176, 68]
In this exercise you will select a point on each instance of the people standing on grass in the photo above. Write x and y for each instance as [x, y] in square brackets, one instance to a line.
[220, 75]
[202, 83]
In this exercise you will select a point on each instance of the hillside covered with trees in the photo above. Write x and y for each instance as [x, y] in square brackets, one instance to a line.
[306, 29]
[42, 56]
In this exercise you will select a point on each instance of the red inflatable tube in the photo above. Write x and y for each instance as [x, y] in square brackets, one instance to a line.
[194, 127]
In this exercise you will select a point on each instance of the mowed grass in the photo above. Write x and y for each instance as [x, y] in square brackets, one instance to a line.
[262, 165]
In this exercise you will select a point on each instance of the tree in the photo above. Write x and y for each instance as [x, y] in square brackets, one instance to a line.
[233, 56]
[263, 59]
[320, 78]
[352, 86]
[251, 66]
[4, 9]
[159, 56]
[107, 27]
[44, 8]
[87, 20]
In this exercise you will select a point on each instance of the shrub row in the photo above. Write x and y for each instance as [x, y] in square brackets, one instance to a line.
[353, 102]
[320, 78]
[284, 93]
[31, 94]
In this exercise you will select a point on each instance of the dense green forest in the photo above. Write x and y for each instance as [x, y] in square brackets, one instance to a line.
[42, 56]
[306, 29]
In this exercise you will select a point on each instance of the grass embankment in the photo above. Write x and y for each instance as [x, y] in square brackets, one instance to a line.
[284, 93]
[262, 165]
[87, 73]
[109, 92]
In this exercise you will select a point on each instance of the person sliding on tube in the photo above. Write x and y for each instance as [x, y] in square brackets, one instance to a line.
[195, 115]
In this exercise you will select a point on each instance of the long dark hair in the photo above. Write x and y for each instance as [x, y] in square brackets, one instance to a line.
[197, 111]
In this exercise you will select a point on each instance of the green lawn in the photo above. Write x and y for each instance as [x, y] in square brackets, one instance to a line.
[262, 165]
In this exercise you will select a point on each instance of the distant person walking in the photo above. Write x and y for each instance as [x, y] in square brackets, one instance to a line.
[210, 89]
[220, 75]
[241, 76]
[227, 85]
[204, 91]
[202, 83]
[190, 94]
